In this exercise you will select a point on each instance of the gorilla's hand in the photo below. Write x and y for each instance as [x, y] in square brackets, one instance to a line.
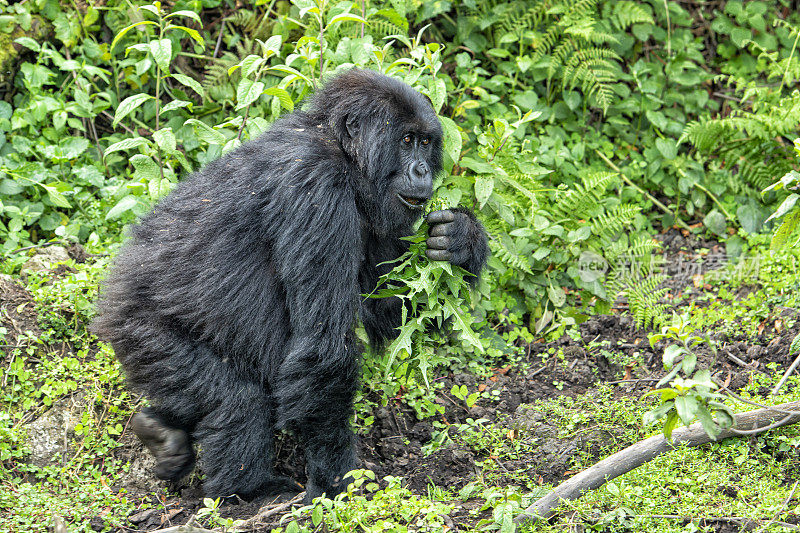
[458, 237]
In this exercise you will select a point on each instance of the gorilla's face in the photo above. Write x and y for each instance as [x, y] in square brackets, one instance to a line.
[412, 156]
[391, 134]
[413, 185]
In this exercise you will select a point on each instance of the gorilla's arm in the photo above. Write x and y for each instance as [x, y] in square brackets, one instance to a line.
[457, 236]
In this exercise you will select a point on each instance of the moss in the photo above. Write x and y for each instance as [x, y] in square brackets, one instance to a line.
[9, 52]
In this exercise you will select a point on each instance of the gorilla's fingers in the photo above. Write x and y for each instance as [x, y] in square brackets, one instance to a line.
[438, 243]
[438, 255]
[438, 217]
[439, 230]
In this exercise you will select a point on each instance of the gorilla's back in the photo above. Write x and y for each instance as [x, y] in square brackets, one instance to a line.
[201, 261]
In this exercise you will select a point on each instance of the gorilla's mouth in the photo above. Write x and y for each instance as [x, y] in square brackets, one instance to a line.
[411, 202]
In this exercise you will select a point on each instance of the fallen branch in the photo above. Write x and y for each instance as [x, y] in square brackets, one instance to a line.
[788, 373]
[268, 511]
[185, 529]
[638, 454]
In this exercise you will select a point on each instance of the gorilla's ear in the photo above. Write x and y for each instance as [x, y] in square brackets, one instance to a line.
[428, 98]
[350, 128]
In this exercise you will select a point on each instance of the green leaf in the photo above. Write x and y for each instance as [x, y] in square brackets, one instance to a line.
[247, 92]
[786, 206]
[452, 138]
[175, 104]
[667, 147]
[460, 324]
[672, 352]
[749, 217]
[158, 187]
[686, 407]
[707, 421]
[716, 223]
[129, 105]
[165, 139]
[669, 425]
[28, 43]
[161, 50]
[475, 165]
[688, 363]
[56, 197]
[557, 295]
[316, 515]
[185, 13]
[296, 73]
[437, 90]
[795, 346]
[484, 186]
[123, 206]
[191, 32]
[126, 144]
[740, 36]
[248, 65]
[346, 17]
[151, 8]
[785, 230]
[189, 82]
[145, 168]
[283, 97]
[125, 30]
[206, 133]
[271, 46]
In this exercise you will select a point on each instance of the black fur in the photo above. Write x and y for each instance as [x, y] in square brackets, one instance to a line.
[233, 303]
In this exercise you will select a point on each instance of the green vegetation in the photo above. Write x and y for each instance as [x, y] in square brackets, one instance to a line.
[582, 134]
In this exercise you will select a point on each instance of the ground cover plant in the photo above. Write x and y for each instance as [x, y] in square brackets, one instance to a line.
[634, 163]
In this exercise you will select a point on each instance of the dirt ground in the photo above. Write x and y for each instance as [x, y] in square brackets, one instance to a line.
[394, 443]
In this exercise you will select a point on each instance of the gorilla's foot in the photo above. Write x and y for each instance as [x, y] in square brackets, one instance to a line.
[171, 447]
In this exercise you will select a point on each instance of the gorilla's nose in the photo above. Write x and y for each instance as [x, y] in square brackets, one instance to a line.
[419, 170]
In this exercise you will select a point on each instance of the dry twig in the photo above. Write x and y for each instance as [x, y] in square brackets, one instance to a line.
[268, 511]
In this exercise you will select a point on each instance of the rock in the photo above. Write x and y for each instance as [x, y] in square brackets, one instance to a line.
[45, 258]
[50, 435]
[139, 476]
[754, 352]
[140, 473]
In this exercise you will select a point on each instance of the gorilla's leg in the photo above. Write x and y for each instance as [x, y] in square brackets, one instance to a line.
[330, 454]
[171, 446]
[194, 391]
[236, 442]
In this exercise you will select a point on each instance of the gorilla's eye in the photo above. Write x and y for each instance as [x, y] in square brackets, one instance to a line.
[407, 139]
[425, 141]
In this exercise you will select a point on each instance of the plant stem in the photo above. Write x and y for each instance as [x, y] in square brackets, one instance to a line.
[658, 204]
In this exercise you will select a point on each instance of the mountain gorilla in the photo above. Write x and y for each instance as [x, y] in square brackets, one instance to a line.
[232, 305]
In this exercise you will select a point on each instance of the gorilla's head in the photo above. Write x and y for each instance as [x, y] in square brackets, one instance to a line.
[391, 134]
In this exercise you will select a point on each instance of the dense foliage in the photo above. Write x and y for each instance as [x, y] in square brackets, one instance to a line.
[576, 130]
[567, 123]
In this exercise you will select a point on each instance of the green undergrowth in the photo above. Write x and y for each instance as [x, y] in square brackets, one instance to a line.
[683, 490]
[53, 360]
[757, 290]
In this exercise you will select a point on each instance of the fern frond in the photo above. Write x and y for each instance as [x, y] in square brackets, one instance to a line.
[628, 13]
[505, 252]
[609, 224]
[644, 301]
[583, 199]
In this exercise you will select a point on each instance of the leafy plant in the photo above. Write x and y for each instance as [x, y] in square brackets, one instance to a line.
[690, 393]
[786, 234]
[432, 292]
